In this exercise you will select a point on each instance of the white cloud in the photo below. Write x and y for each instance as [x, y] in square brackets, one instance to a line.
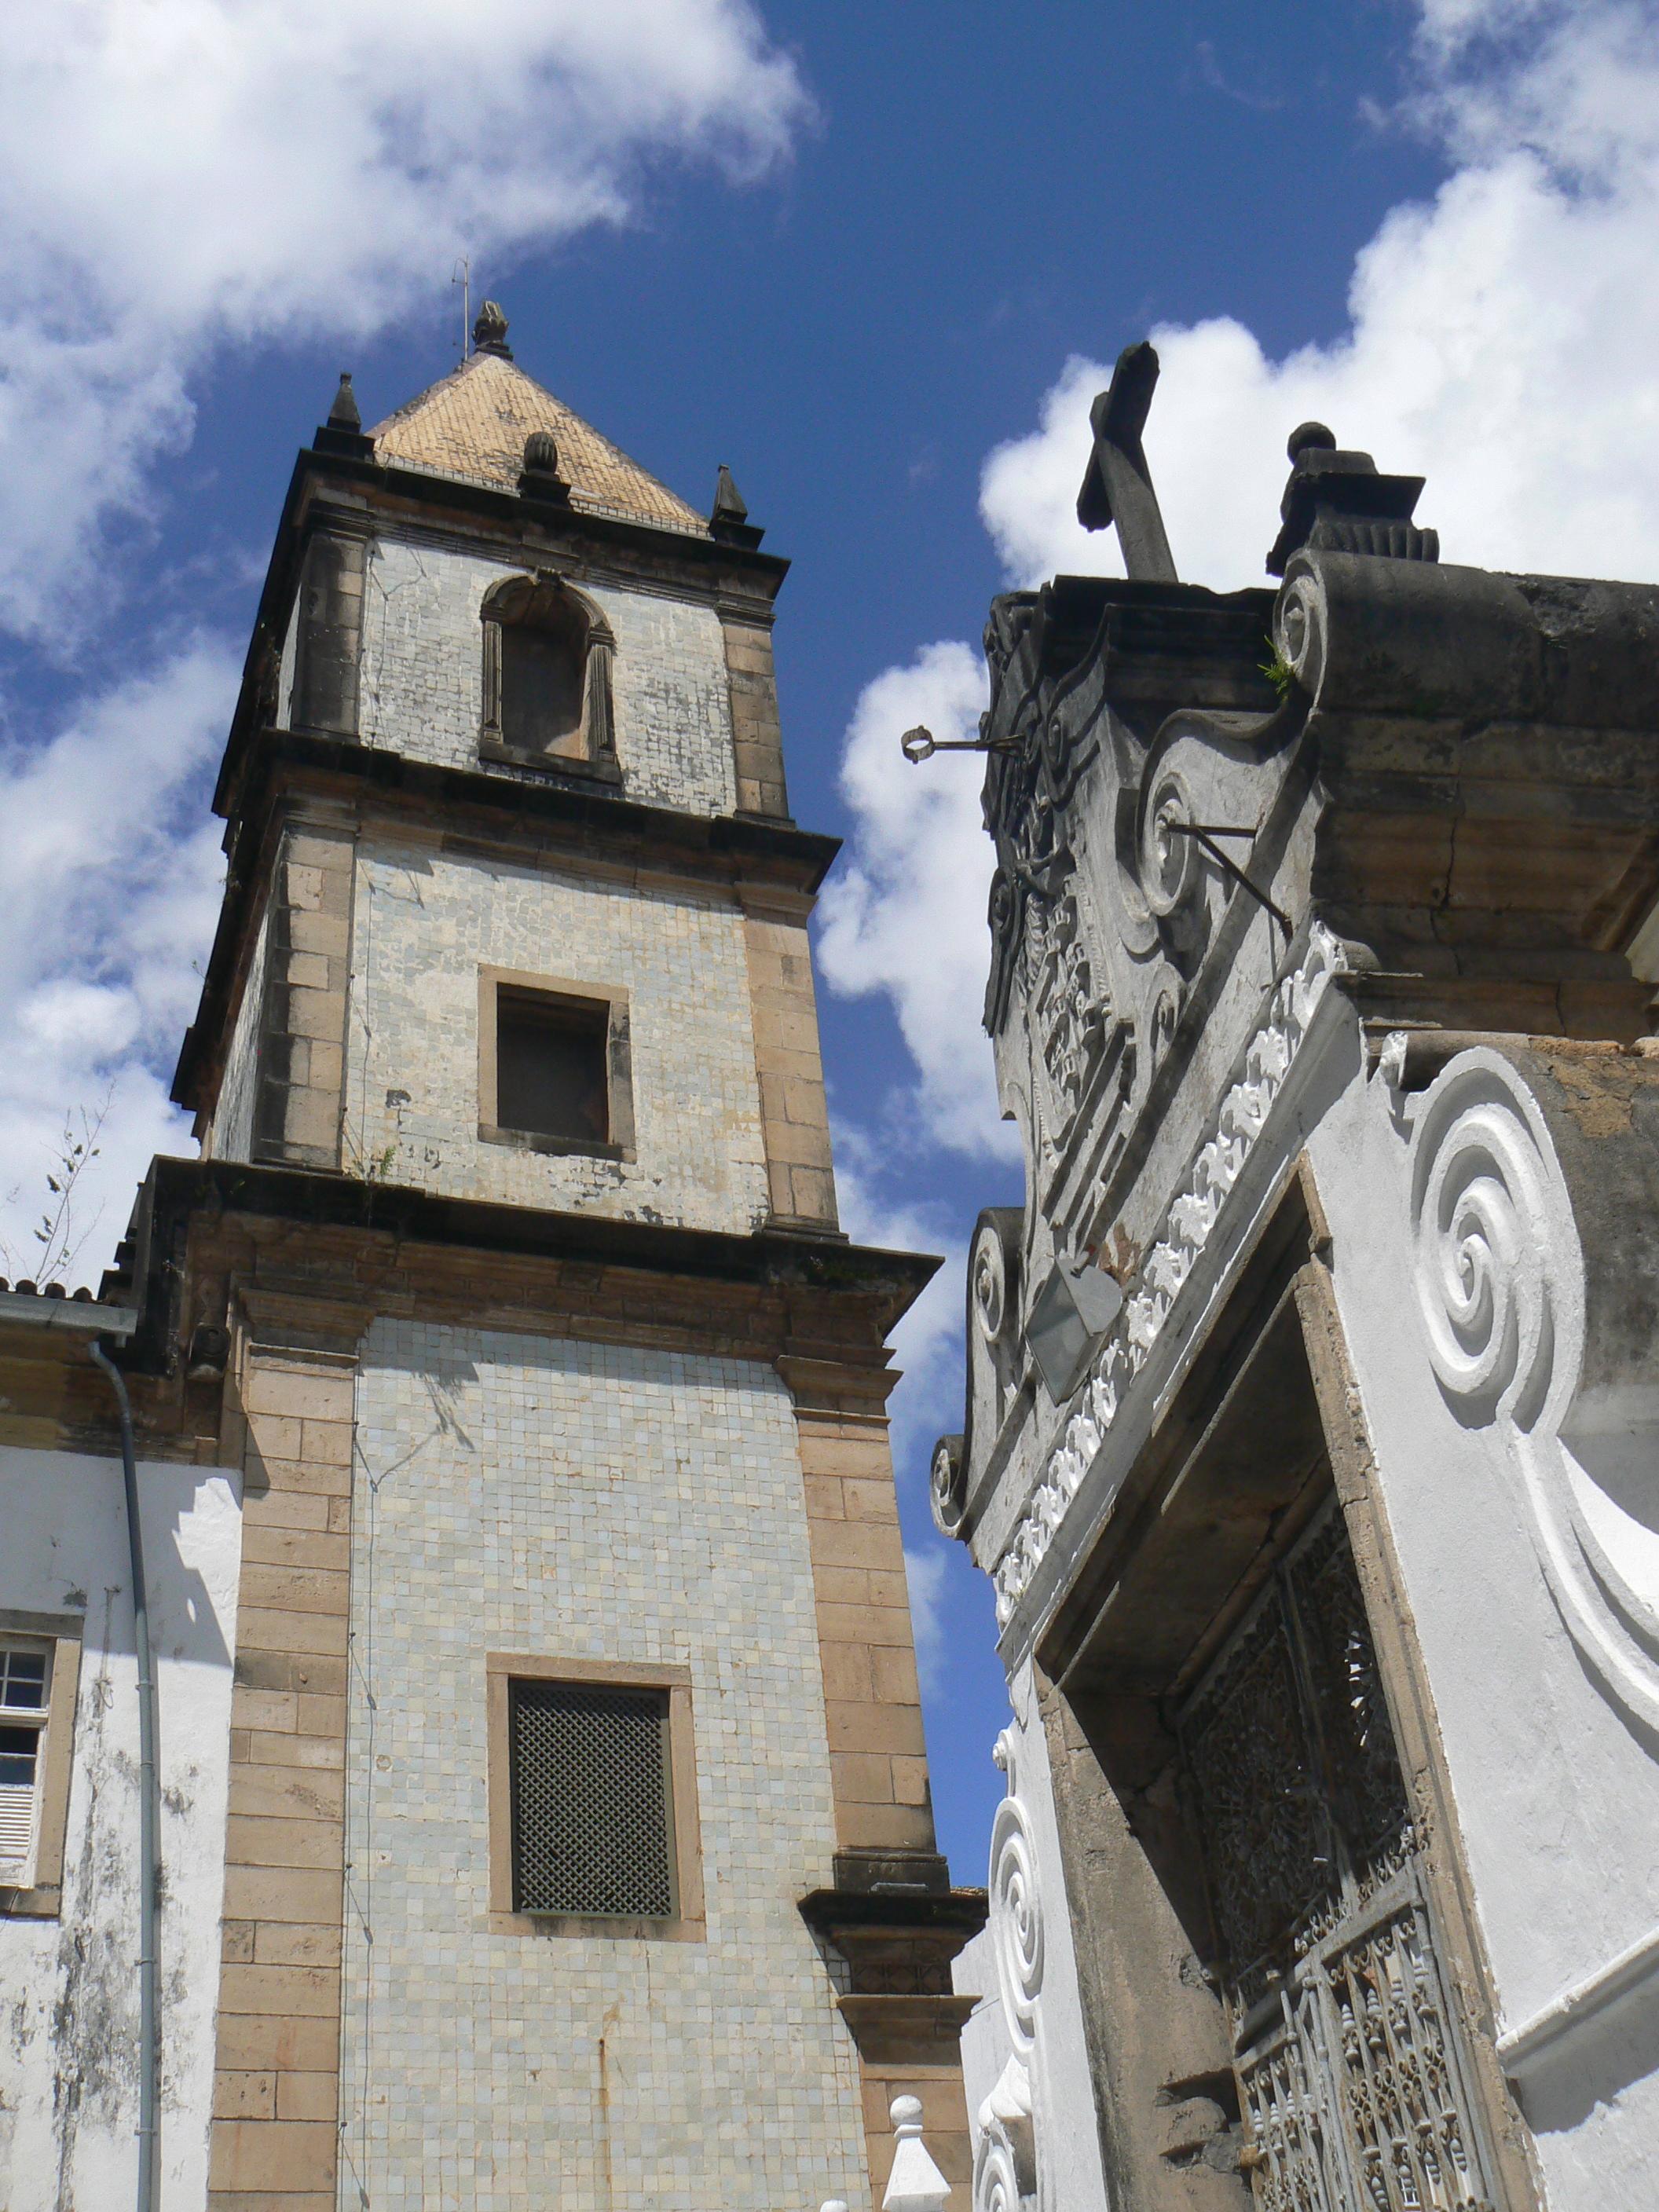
[175, 179]
[925, 1572]
[906, 914]
[108, 886]
[191, 173]
[1504, 342]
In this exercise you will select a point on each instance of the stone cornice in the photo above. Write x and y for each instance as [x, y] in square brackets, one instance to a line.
[210, 1230]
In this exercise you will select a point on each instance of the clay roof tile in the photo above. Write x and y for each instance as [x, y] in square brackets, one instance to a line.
[473, 425]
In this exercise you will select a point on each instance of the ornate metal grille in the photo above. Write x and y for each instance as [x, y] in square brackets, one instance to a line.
[1347, 2053]
[592, 1827]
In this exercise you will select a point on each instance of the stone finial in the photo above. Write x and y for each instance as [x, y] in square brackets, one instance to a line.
[489, 331]
[729, 518]
[1338, 501]
[343, 433]
[835, 2204]
[1310, 438]
[343, 415]
[541, 477]
[915, 2184]
[728, 500]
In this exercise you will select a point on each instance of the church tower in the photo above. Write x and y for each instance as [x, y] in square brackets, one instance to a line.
[579, 1843]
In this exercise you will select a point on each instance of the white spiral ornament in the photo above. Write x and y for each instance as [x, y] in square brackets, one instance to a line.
[1498, 1273]
[1016, 1912]
[996, 2172]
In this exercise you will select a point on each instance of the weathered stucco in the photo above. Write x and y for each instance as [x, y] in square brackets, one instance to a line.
[69, 1987]
[1554, 1776]
[422, 683]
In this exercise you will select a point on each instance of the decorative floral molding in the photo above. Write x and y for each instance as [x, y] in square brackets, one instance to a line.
[1189, 1226]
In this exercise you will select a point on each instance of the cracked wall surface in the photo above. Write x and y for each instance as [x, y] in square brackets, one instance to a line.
[422, 675]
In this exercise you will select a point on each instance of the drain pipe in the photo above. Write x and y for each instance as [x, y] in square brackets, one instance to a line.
[150, 1805]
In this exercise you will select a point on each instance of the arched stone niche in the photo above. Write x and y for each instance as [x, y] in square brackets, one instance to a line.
[547, 656]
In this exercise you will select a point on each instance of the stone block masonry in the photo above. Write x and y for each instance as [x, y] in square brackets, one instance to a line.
[756, 735]
[800, 1173]
[276, 2085]
[280, 1100]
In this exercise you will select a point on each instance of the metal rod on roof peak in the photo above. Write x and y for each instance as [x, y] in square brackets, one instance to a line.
[463, 263]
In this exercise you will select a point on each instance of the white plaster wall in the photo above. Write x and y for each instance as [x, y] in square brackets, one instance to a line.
[1070, 2173]
[526, 1495]
[425, 924]
[69, 1987]
[421, 683]
[231, 1136]
[1557, 1793]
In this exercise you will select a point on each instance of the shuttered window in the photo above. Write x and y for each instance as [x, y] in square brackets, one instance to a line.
[592, 1800]
[25, 1693]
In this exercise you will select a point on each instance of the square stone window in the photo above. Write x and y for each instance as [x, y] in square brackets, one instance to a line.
[555, 1071]
[40, 1672]
[593, 1798]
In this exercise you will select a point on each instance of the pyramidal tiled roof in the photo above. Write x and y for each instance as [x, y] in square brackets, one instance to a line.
[472, 424]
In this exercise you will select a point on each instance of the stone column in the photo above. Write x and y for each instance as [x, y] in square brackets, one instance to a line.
[795, 1120]
[892, 1916]
[302, 1023]
[757, 737]
[329, 616]
[275, 2142]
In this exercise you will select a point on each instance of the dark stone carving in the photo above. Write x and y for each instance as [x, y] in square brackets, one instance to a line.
[1337, 500]
[541, 477]
[1118, 485]
[489, 331]
[343, 433]
[729, 518]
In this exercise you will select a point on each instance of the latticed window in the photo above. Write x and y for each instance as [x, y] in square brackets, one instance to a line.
[592, 1800]
[25, 1697]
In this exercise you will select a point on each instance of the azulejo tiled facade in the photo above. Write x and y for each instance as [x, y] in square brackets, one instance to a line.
[596, 1503]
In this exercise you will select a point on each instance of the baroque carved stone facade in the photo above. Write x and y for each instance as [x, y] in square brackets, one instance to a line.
[1311, 1400]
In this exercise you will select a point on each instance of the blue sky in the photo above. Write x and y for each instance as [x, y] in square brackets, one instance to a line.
[876, 261]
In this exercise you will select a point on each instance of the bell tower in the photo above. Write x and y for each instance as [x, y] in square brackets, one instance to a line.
[580, 1836]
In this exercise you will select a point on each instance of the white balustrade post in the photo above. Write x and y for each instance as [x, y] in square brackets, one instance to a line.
[915, 2184]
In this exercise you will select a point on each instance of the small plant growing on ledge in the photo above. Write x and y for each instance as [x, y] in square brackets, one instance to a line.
[1277, 671]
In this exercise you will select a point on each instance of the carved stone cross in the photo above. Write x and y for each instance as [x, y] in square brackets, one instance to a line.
[1118, 486]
